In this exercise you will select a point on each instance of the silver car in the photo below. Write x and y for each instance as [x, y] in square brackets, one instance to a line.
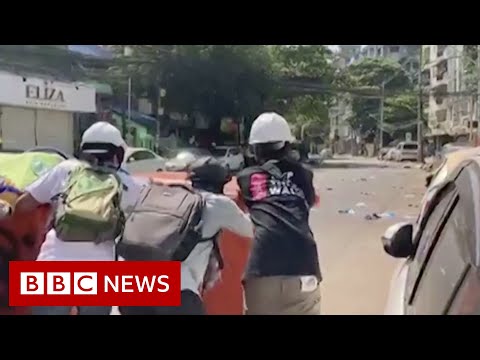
[406, 151]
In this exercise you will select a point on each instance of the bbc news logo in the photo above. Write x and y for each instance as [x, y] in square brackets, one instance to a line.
[95, 283]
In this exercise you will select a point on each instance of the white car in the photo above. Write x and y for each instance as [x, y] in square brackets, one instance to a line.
[141, 160]
[230, 156]
[405, 151]
[438, 273]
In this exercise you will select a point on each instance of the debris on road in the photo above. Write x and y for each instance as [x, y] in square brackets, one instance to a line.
[387, 215]
[365, 193]
[361, 204]
[329, 189]
[409, 196]
[372, 217]
[375, 216]
[407, 166]
[347, 211]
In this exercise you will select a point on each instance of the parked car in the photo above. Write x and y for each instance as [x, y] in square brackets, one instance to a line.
[405, 151]
[439, 273]
[389, 156]
[230, 156]
[183, 157]
[384, 150]
[141, 160]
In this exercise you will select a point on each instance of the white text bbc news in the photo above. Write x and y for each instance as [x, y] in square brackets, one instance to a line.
[86, 283]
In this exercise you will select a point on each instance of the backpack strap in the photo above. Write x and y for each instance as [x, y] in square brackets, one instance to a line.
[271, 168]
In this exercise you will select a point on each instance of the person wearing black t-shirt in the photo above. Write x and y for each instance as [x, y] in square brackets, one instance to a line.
[283, 272]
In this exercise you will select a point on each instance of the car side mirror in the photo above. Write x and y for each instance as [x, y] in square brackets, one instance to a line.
[397, 240]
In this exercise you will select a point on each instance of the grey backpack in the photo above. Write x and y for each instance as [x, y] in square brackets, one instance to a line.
[165, 225]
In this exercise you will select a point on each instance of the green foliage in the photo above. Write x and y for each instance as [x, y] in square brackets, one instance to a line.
[306, 62]
[398, 107]
[216, 80]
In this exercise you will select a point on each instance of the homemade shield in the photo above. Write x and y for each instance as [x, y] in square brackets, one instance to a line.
[21, 236]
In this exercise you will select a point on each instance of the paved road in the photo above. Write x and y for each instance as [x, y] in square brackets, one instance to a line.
[356, 270]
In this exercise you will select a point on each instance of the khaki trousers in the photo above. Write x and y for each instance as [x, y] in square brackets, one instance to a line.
[281, 295]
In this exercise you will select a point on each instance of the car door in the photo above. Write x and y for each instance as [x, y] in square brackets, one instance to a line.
[444, 254]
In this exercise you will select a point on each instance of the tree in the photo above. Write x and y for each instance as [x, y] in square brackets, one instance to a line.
[400, 100]
[312, 62]
[215, 80]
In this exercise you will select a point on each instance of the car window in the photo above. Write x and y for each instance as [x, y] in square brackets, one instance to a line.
[399, 146]
[234, 152]
[410, 147]
[443, 270]
[219, 152]
[141, 155]
[427, 236]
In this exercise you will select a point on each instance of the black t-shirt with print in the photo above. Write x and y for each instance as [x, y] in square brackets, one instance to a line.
[279, 196]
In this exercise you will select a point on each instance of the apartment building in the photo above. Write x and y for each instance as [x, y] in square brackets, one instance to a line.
[451, 107]
[394, 52]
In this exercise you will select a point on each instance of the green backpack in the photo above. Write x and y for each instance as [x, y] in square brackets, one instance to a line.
[89, 209]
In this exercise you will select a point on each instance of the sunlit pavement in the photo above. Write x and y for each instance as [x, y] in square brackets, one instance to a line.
[356, 270]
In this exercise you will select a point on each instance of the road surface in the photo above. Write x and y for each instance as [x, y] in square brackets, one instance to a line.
[356, 270]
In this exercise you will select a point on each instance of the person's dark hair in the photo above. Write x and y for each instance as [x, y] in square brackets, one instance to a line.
[101, 154]
[271, 151]
[208, 174]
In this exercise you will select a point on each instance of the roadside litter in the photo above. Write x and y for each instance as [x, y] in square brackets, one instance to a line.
[329, 189]
[361, 204]
[385, 215]
[347, 211]
[409, 196]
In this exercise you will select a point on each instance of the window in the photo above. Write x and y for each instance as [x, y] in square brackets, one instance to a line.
[141, 155]
[219, 152]
[410, 147]
[394, 49]
[443, 271]
[427, 236]
[234, 152]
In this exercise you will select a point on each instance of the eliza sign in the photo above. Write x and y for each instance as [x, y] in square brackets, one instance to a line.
[45, 96]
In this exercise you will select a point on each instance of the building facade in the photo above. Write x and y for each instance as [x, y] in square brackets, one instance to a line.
[451, 106]
[36, 111]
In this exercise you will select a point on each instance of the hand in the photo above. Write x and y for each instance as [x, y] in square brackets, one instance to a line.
[5, 209]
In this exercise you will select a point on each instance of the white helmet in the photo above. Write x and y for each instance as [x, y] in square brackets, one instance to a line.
[270, 128]
[103, 132]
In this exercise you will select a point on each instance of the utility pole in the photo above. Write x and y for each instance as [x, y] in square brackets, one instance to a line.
[382, 114]
[420, 107]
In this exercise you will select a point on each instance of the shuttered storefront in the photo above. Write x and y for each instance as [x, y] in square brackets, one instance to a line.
[23, 129]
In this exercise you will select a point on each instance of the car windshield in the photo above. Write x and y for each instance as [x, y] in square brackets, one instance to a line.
[410, 146]
[219, 152]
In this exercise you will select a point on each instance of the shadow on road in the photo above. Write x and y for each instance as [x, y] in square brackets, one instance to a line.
[351, 165]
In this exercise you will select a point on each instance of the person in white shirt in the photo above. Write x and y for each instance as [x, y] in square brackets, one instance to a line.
[201, 269]
[102, 142]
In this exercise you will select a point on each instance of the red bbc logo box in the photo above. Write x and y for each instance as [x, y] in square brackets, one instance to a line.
[94, 283]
